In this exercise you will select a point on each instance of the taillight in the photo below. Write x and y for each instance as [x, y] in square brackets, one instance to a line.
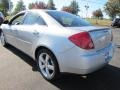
[82, 40]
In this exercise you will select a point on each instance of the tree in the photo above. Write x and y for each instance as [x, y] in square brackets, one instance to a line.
[4, 6]
[67, 9]
[37, 5]
[72, 8]
[19, 7]
[112, 8]
[98, 14]
[51, 5]
[74, 5]
[30, 6]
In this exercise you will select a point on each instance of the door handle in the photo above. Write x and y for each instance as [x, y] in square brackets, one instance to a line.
[36, 33]
[15, 30]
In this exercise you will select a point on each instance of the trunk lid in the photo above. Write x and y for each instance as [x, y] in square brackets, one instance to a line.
[101, 36]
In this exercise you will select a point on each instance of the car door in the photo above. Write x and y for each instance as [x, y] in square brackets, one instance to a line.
[30, 31]
[10, 29]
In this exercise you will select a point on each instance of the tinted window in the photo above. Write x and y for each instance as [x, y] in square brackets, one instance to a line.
[17, 19]
[40, 21]
[67, 19]
[32, 18]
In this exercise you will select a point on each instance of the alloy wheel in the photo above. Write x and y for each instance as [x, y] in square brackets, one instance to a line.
[46, 65]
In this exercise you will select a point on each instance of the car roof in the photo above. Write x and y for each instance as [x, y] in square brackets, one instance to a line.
[37, 10]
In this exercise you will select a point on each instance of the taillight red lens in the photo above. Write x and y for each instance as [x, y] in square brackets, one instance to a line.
[83, 40]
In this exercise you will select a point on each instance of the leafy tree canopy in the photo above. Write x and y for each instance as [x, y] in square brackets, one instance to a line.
[4, 6]
[19, 7]
[72, 8]
[98, 13]
[51, 5]
[37, 5]
[112, 8]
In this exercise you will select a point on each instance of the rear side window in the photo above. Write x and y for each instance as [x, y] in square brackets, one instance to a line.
[67, 19]
[32, 18]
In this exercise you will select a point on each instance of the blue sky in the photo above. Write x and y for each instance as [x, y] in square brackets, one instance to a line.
[93, 5]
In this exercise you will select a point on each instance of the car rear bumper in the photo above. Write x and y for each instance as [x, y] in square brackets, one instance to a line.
[73, 61]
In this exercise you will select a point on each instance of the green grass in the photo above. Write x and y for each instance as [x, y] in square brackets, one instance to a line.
[8, 17]
[104, 22]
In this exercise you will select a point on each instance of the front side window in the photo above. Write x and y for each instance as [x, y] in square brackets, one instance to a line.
[32, 18]
[67, 19]
[17, 20]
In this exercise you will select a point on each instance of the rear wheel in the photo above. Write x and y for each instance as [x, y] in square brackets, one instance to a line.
[47, 65]
[3, 41]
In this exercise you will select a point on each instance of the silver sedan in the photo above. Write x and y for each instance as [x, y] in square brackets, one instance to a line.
[59, 42]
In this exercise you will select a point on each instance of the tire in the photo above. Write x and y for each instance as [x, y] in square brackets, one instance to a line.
[2, 38]
[47, 65]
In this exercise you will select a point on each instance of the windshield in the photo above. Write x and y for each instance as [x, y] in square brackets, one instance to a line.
[67, 19]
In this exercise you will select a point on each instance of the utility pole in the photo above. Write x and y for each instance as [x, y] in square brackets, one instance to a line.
[86, 7]
[10, 6]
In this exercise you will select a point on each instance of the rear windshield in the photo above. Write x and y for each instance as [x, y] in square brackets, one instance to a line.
[67, 19]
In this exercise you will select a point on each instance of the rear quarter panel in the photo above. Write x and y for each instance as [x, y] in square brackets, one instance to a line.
[54, 39]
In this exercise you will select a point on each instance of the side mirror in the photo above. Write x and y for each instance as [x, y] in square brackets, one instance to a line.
[6, 22]
[17, 23]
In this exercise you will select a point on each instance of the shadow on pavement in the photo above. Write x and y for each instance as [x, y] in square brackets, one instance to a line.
[107, 78]
[24, 57]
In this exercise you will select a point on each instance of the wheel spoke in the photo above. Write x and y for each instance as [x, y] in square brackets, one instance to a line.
[42, 66]
[47, 72]
[50, 67]
[42, 59]
[46, 58]
[46, 65]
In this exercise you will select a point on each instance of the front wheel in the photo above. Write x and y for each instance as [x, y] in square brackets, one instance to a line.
[2, 37]
[47, 65]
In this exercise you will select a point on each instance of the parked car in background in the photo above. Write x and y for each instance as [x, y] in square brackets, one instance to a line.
[116, 22]
[59, 42]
